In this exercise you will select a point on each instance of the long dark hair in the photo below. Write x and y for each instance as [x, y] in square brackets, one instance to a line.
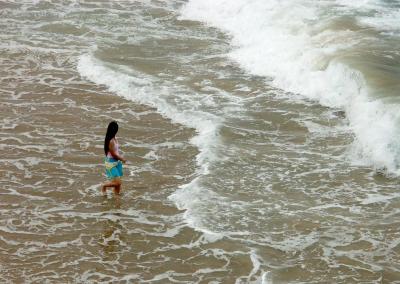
[112, 130]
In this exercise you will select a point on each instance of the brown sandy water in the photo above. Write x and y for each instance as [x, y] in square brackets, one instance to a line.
[56, 227]
[262, 180]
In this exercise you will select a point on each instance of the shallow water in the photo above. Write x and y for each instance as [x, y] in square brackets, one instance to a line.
[241, 168]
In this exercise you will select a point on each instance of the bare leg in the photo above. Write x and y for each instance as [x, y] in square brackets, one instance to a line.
[117, 187]
[113, 183]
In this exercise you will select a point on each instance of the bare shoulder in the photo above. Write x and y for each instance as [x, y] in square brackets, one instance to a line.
[112, 143]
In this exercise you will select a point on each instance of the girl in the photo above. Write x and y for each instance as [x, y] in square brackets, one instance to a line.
[112, 160]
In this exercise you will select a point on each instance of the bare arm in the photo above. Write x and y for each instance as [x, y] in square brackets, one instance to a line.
[113, 152]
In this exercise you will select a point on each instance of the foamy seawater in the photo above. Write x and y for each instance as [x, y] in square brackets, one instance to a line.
[263, 140]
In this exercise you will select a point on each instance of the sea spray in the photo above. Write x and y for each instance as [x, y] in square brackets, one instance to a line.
[293, 45]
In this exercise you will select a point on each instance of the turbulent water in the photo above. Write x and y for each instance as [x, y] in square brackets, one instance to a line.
[263, 138]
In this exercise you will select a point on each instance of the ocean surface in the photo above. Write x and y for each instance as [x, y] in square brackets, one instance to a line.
[263, 140]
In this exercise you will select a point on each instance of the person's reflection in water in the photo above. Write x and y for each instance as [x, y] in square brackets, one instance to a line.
[110, 240]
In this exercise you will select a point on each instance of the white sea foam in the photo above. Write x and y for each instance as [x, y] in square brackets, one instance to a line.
[378, 14]
[142, 89]
[291, 44]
